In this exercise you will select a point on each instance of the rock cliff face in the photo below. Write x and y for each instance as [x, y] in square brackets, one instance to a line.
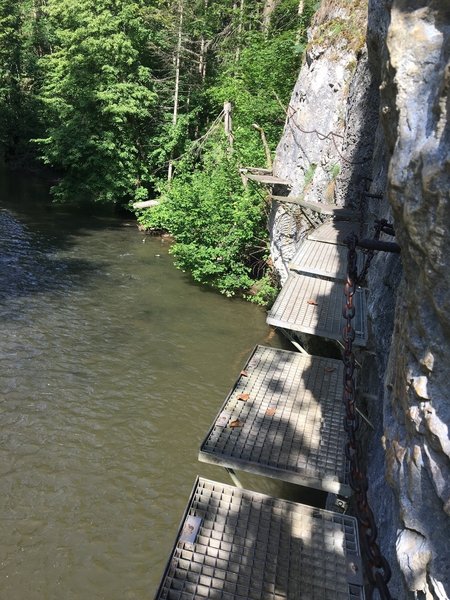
[400, 138]
[415, 119]
[327, 144]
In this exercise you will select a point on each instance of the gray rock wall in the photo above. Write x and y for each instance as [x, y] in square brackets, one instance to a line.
[407, 374]
[327, 142]
[414, 112]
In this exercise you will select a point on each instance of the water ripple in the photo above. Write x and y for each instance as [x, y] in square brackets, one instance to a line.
[112, 366]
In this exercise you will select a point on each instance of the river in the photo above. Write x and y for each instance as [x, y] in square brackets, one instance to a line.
[112, 366]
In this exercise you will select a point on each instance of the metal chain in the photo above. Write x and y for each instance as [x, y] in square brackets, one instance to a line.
[379, 225]
[378, 570]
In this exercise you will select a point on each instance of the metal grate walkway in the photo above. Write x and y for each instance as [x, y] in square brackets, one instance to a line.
[314, 306]
[334, 232]
[234, 544]
[283, 419]
[322, 259]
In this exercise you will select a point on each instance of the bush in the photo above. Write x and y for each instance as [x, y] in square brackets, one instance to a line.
[219, 226]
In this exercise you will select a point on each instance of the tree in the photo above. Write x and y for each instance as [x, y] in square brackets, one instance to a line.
[10, 68]
[219, 226]
[98, 97]
[20, 29]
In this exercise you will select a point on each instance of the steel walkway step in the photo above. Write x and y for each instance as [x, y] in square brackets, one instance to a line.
[233, 544]
[334, 232]
[322, 259]
[311, 305]
[284, 419]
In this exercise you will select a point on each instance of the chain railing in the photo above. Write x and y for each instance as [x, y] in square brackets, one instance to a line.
[377, 568]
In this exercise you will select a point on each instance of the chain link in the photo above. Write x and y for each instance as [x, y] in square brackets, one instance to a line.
[378, 570]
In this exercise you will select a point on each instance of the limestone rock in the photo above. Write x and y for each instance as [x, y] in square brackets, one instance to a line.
[327, 144]
[331, 117]
[414, 112]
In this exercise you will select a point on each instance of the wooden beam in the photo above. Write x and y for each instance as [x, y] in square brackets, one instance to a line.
[323, 209]
[255, 170]
[145, 204]
[268, 179]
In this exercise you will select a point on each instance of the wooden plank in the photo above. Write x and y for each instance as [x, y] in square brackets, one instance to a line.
[145, 204]
[255, 170]
[323, 209]
[267, 179]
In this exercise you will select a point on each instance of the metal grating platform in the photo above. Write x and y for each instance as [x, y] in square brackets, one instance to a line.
[325, 260]
[234, 544]
[334, 232]
[289, 415]
[311, 305]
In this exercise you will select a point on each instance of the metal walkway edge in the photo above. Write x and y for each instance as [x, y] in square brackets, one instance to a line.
[283, 419]
[311, 305]
[322, 259]
[233, 544]
[334, 232]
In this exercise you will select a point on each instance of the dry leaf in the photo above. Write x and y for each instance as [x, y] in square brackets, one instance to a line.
[329, 369]
[236, 423]
[244, 374]
[243, 397]
[270, 412]
[311, 301]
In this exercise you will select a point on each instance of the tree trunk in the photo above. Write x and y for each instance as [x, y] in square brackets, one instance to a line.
[177, 61]
[228, 125]
[239, 29]
[269, 7]
[203, 49]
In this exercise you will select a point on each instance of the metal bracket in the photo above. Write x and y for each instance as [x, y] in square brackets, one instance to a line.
[354, 570]
[234, 477]
[377, 196]
[369, 244]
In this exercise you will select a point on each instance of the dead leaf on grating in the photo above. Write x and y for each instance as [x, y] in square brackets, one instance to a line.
[244, 374]
[243, 397]
[311, 301]
[329, 369]
[270, 412]
[236, 423]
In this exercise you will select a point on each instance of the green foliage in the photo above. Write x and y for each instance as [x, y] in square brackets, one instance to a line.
[334, 170]
[309, 175]
[219, 227]
[97, 99]
[20, 39]
[94, 83]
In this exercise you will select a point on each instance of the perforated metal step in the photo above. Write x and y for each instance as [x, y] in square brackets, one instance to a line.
[334, 232]
[311, 305]
[284, 419]
[234, 544]
[322, 259]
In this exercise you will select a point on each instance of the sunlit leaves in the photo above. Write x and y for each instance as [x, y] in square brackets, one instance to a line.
[98, 96]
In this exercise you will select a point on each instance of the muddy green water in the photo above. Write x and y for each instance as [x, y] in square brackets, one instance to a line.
[112, 367]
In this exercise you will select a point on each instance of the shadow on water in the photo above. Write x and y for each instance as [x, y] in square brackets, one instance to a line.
[29, 264]
[36, 237]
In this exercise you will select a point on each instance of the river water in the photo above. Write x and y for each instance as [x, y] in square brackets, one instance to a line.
[112, 367]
